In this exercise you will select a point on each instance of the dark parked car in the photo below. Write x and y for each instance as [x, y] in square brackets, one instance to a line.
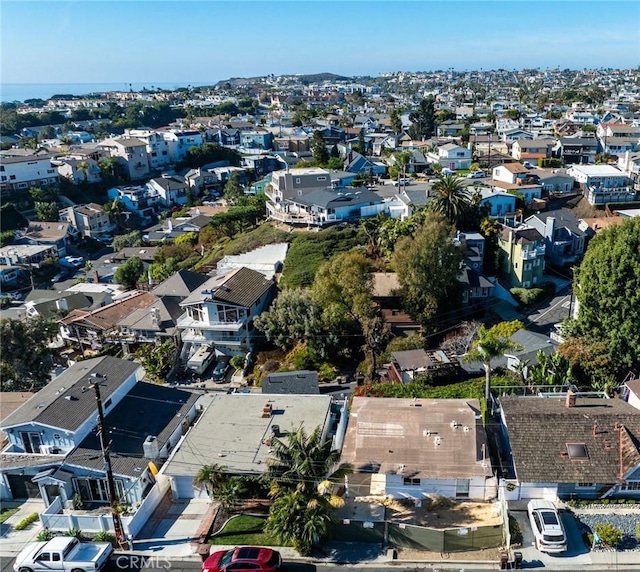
[221, 368]
[243, 558]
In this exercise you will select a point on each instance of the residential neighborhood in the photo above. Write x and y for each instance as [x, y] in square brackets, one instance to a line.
[394, 311]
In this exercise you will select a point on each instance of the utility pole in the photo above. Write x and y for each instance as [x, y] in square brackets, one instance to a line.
[111, 486]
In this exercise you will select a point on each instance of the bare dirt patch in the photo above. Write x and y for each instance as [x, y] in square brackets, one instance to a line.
[438, 512]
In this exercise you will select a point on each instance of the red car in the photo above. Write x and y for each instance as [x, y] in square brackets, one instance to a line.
[243, 558]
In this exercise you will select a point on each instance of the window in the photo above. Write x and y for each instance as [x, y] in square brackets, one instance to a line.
[12, 177]
[31, 442]
[108, 403]
[322, 178]
[577, 451]
[411, 482]
[44, 557]
[585, 485]
[630, 486]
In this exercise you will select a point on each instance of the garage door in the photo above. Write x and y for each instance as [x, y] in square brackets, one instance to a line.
[182, 488]
[22, 487]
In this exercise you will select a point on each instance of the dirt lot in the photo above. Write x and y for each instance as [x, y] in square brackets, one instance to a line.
[444, 513]
[489, 554]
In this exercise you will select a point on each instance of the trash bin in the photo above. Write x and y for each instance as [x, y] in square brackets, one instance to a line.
[504, 561]
[517, 560]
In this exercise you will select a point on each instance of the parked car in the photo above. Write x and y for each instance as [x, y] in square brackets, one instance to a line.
[221, 368]
[446, 171]
[15, 295]
[243, 558]
[72, 261]
[401, 182]
[547, 527]
[63, 553]
[476, 174]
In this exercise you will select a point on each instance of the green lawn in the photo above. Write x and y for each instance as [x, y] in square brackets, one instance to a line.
[6, 513]
[244, 530]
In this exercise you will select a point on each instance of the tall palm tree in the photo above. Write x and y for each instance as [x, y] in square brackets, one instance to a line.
[452, 198]
[487, 346]
[304, 471]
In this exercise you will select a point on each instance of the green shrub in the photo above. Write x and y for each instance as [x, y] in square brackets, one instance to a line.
[515, 530]
[609, 534]
[75, 532]
[638, 530]
[105, 536]
[44, 535]
[26, 521]
[526, 296]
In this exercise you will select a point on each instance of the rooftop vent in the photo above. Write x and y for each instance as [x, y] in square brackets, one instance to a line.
[437, 441]
[570, 400]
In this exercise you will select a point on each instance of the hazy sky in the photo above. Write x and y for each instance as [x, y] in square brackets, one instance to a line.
[201, 41]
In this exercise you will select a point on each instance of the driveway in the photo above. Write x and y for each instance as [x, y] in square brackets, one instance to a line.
[576, 556]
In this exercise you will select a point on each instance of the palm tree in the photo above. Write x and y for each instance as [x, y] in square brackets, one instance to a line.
[304, 471]
[488, 345]
[210, 478]
[452, 198]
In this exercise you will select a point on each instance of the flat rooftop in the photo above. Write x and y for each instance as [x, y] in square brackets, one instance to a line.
[416, 438]
[232, 431]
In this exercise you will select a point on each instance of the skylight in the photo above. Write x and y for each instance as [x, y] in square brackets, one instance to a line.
[577, 451]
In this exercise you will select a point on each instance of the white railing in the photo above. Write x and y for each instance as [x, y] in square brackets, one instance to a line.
[532, 254]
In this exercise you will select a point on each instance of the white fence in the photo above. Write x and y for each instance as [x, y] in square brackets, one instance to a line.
[54, 519]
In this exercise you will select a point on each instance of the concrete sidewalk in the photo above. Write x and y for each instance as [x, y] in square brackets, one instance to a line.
[12, 541]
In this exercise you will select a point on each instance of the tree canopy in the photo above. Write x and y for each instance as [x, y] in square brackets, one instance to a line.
[423, 119]
[26, 359]
[129, 272]
[428, 265]
[607, 288]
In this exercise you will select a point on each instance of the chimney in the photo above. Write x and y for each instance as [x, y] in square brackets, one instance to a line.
[570, 401]
[150, 447]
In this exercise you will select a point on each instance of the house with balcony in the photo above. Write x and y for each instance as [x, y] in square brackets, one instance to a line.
[576, 150]
[413, 448]
[477, 288]
[156, 145]
[564, 238]
[171, 190]
[522, 255]
[221, 311]
[89, 219]
[98, 327]
[604, 184]
[451, 156]
[43, 431]
[326, 206]
[257, 139]
[19, 171]
[76, 170]
[291, 183]
[139, 199]
[54, 451]
[629, 164]
[180, 141]
[131, 153]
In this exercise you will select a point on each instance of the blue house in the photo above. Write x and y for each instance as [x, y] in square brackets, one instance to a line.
[357, 163]
[257, 139]
[54, 452]
[498, 202]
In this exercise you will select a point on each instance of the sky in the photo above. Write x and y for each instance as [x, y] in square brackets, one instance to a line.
[86, 41]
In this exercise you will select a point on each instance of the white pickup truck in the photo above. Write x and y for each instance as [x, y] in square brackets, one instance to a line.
[63, 553]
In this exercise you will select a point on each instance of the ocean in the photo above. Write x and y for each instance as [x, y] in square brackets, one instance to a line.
[21, 91]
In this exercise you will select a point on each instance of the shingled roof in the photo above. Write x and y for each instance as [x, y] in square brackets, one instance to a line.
[148, 409]
[66, 402]
[540, 430]
[241, 287]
